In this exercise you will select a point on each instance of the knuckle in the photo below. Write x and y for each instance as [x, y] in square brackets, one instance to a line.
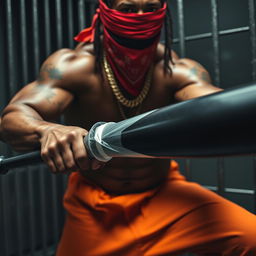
[44, 154]
[52, 147]
[72, 135]
[62, 140]
[71, 165]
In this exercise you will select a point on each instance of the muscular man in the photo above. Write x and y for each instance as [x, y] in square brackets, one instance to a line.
[126, 206]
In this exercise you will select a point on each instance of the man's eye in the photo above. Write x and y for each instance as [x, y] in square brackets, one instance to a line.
[127, 10]
[151, 9]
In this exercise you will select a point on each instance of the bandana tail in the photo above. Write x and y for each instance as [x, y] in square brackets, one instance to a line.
[87, 35]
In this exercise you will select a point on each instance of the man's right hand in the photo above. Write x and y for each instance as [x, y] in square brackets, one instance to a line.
[63, 149]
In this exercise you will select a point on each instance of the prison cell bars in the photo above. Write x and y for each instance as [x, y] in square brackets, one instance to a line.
[215, 41]
[181, 40]
[71, 42]
[48, 50]
[13, 87]
[251, 6]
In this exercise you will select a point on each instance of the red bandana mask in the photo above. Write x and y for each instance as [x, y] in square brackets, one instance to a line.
[129, 65]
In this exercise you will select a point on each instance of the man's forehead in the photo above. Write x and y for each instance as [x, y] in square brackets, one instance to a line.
[118, 2]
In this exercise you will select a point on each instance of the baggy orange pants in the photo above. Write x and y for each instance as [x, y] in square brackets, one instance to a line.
[176, 217]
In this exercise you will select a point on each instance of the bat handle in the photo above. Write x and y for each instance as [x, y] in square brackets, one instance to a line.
[17, 161]
[35, 157]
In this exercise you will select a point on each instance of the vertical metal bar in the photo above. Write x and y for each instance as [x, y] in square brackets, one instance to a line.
[24, 59]
[2, 234]
[181, 28]
[24, 55]
[92, 11]
[55, 208]
[253, 36]
[12, 88]
[71, 42]
[43, 207]
[10, 49]
[188, 169]
[182, 45]
[31, 200]
[40, 174]
[28, 173]
[59, 23]
[59, 33]
[5, 215]
[47, 28]
[3, 64]
[59, 37]
[59, 43]
[36, 49]
[253, 42]
[254, 178]
[19, 226]
[81, 14]
[215, 38]
[221, 176]
[63, 183]
[36, 36]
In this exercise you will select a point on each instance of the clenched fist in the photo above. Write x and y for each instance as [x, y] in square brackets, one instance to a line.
[63, 149]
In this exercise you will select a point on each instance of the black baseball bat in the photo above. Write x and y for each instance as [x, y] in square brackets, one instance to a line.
[220, 124]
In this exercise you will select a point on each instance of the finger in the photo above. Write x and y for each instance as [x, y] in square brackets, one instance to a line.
[59, 164]
[68, 158]
[52, 154]
[56, 150]
[51, 165]
[80, 154]
[49, 161]
[46, 157]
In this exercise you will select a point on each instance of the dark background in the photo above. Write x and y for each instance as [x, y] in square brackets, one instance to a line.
[220, 34]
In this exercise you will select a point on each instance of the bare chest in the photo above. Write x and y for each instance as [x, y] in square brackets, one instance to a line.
[99, 103]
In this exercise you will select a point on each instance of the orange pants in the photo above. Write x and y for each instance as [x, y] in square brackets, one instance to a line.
[176, 217]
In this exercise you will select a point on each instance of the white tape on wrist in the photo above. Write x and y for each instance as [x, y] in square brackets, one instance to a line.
[98, 138]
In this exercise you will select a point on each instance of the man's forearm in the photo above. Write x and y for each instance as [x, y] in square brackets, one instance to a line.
[20, 127]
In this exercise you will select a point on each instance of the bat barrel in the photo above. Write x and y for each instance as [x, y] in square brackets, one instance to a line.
[220, 124]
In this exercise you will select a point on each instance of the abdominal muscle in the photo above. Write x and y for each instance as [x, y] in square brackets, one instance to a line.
[129, 175]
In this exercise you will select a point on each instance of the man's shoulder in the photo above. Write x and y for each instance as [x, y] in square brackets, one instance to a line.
[68, 69]
[186, 72]
[71, 61]
[72, 58]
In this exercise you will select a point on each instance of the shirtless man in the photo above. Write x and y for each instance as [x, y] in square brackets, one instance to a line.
[68, 84]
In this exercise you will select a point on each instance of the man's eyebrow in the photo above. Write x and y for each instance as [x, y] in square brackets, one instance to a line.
[131, 3]
[125, 4]
[153, 4]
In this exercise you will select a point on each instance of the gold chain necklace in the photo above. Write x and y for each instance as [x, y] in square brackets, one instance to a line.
[124, 116]
[118, 94]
